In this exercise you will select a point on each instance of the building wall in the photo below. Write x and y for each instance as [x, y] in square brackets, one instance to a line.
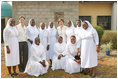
[45, 11]
[95, 9]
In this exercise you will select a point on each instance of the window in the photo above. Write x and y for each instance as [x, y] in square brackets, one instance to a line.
[104, 21]
[85, 18]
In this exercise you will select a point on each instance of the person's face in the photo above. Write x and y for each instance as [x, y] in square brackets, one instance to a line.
[73, 40]
[61, 23]
[60, 40]
[21, 20]
[85, 25]
[69, 24]
[43, 26]
[51, 25]
[37, 42]
[32, 22]
[79, 23]
[12, 22]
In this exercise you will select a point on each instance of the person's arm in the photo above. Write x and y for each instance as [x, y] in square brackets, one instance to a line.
[28, 36]
[48, 39]
[6, 38]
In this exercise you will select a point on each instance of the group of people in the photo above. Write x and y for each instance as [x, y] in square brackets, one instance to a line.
[35, 49]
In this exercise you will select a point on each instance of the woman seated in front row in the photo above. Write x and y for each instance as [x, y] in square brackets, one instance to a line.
[72, 64]
[37, 64]
[58, 58]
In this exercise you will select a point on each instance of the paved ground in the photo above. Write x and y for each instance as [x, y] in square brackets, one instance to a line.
[107, 68]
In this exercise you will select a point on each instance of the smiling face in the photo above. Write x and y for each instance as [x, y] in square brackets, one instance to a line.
[69, 23]
[61, 23]
[32, 22]
[85, 25]
[51, 25]
[42, 26]
[78, 23]
[12, 22]
[73, 39]
[21, 20]
[60, 39]
[37, 41]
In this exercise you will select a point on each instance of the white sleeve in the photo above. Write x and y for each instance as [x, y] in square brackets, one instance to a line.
[44, 53]
[27, 33]
[6, 36]
[55, 50]
[96, 37]
[48, 37]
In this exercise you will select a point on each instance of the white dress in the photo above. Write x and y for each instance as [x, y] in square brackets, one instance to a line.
[58, 63]
[89, 40]
[10, 35]
[52, 40]
[77, 32]
[33, 66]
[31, 33]
[71, 66]
[69, 33]
[62, 32]
[44, 36]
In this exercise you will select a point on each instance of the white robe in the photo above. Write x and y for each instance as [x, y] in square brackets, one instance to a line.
[10, 35]
[44, 36]
[89, 40]
[71, 66]
[58, 63]
[33, 66]
[62, 32]
[52, 40]
[31, 33]
[69, 33]
[77, 32]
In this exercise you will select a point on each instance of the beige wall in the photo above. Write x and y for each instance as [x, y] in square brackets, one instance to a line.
[95, 9]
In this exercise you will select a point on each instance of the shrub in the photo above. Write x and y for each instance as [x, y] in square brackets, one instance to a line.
[100, 31]
[108, 36]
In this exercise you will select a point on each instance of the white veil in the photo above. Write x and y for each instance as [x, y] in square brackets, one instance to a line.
[80, 21]
[72, 25]
[41, 24]
[49, 25]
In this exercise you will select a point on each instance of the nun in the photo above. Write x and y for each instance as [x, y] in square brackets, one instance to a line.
[44, 37]
[72, 49]
[31, 33]
[61, 29]
[52, 32]
[37, 64]
[59, 58]
[89, 48]
[78, 28]
[10, 35]
[69, 30]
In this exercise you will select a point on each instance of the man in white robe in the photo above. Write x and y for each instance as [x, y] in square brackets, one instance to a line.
[37, 64]
[59, 59]
[70, 30]
[52, 40]
[89, 48]
[72, 65]
[31, 33]
[10, 35]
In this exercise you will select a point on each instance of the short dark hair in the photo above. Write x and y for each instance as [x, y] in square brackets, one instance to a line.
[21, 17]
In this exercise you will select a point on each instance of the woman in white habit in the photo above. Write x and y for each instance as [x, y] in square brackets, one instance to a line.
[72, 50]
[31, 33]
[58, 58]
[37, 64]
[89, 48]
[52, 40]
[44, 37]
[10, 35]
[69, 30]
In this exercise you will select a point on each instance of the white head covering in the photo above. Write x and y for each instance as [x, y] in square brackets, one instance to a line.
[89, 24]
[80, 21]
[72, 25]
[41, 24]
[29, 23]
[8, 25]
[52, 27]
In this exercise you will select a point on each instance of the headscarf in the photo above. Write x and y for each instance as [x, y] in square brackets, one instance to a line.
[41, 24]
[72, 25]
[89, 24]
[30, 24]
[8, 25]
[52, 27]
[81, 23]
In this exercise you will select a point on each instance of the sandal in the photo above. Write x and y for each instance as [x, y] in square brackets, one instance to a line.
[11, 75]
[15, 74]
